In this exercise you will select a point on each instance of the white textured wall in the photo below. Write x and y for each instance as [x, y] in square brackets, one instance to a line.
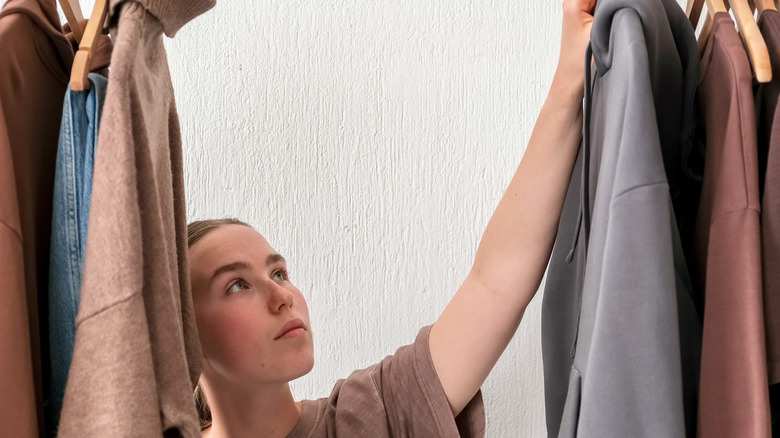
[369, 142]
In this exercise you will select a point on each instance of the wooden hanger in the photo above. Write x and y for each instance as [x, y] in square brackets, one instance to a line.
[75, 18]
[694, 9]
[82, 63]
[748, 30]
[751, 36]
[764, 5]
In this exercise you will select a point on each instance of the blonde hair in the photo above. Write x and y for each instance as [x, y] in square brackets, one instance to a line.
[195, 231]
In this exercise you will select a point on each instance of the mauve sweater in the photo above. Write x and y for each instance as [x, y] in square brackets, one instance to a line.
[137, 358]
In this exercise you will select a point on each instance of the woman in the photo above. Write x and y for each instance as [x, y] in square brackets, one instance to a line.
[254, 327]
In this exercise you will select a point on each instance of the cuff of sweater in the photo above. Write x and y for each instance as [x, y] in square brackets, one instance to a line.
[172, 14]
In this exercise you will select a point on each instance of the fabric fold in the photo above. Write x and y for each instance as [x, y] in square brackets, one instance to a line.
[137, 357]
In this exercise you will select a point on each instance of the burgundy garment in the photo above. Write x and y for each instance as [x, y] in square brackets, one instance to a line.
[769, 169]
[733, 394]
[768, 118]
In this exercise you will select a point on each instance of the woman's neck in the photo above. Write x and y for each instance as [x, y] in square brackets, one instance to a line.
[266, 412]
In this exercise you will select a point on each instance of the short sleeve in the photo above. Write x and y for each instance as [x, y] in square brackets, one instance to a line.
[401, 396]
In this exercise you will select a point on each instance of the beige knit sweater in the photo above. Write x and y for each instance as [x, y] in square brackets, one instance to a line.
[137, 356]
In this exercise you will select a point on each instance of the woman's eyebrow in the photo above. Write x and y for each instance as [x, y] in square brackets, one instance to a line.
[235, 266]
[273, 258]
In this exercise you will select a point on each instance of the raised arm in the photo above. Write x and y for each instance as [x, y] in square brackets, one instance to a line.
[477, 325]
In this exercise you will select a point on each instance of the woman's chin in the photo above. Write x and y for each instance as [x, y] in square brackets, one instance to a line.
[300, 364]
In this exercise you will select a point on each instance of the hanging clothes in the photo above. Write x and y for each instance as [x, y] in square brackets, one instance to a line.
[733, 393]
[766, 97]
[35, 60]
[72, 194]
[136, 358]
[620, 332]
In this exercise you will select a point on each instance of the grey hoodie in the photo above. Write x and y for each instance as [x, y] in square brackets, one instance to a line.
[621, 338]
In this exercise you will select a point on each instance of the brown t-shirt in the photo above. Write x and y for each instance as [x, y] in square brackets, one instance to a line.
[401, 396]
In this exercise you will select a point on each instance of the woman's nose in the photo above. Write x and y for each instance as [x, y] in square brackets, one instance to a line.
[280, 297]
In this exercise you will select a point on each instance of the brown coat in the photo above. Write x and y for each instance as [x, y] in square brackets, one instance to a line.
[137, 357]
[35, 61]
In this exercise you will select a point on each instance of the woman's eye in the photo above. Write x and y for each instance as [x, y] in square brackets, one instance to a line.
[238, 286]
[280, 275]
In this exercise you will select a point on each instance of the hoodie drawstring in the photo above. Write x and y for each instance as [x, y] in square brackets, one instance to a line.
[584, 211]
[583, 220]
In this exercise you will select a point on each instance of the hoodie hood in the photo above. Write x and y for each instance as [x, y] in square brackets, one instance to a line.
[676, 120]
[44, 14]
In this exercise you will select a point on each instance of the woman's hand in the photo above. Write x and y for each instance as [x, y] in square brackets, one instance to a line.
[575, 35]
[475, 328]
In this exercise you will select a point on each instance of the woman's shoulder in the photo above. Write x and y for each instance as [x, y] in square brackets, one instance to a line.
[402, 391]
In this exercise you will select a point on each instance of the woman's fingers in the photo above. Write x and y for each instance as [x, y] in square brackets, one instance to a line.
[577, 22]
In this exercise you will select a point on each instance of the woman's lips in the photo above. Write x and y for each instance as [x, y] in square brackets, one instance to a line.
[291, 329]
[294, 333]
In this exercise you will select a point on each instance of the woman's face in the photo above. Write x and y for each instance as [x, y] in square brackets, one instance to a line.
[245, 306]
